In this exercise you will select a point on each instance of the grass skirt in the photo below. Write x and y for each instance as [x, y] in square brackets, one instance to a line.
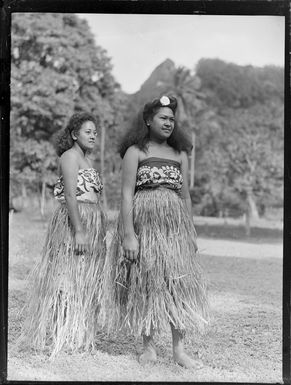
[166, 284]
[64, 296]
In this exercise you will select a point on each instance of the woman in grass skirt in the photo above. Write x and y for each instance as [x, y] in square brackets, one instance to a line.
[64, 297]
[154, 278]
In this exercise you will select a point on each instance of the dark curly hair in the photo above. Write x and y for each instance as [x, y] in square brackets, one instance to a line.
[139, 134]
[64, 140]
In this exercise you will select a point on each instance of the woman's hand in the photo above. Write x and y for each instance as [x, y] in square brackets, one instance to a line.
[130, 247]
[81, 242]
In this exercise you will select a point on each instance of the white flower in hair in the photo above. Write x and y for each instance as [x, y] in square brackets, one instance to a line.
[165, 101]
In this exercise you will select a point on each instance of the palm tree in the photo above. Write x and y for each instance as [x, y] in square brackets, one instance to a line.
[186, 87]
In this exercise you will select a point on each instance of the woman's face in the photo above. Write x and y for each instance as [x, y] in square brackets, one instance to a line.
[86, 136]
[162, 123]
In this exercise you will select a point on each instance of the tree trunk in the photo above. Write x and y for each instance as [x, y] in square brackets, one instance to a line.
[254, 214]
[42, 202]
[251, 212]
[102, 164]
[23, 195]
[192, 164]
[247, 222]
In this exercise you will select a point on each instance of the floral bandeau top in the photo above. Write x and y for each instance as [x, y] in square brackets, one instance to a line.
[155, 172]
[89, 186]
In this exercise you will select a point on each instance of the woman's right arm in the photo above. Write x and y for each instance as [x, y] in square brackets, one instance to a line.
[129, 169]
[70, 169]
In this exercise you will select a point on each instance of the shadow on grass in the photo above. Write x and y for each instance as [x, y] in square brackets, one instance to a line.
[228, 232]
[118, 345]
[214, 231]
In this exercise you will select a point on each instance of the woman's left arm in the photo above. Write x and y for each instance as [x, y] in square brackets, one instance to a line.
[185, 195]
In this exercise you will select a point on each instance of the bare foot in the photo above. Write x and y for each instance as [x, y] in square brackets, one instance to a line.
[182, 359]
[149, 355]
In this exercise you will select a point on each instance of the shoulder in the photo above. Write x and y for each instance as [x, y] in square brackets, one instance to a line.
[69, 156]
[69, 162]
[132, 153]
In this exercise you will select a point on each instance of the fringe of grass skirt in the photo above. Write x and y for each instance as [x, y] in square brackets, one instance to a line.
[166, 284]
[65, 288]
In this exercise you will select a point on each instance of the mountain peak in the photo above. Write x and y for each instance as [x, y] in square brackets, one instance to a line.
[161, 74]
[166, 63]
[154, 86]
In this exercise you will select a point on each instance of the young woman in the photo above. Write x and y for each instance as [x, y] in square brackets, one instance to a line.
[64, 297]
[155, 279]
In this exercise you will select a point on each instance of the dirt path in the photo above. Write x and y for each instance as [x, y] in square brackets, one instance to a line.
[242, 344]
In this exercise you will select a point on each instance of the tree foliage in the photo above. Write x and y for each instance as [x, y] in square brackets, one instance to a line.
[244, 158]
[56, 69]
[235, 86]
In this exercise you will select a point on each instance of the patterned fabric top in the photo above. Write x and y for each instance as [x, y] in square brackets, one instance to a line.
[154, 172]
[89, 186]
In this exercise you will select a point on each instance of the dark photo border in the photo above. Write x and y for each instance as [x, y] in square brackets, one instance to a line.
[207, 7]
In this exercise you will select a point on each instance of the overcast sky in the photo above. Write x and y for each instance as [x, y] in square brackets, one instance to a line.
[138, 43]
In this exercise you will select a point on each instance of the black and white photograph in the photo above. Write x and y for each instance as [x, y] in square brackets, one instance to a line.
[146, 197]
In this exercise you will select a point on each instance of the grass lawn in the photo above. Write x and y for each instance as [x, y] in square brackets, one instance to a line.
[242, 344]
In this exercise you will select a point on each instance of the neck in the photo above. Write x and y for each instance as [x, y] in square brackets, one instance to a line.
[160, 142]
[79, 149]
